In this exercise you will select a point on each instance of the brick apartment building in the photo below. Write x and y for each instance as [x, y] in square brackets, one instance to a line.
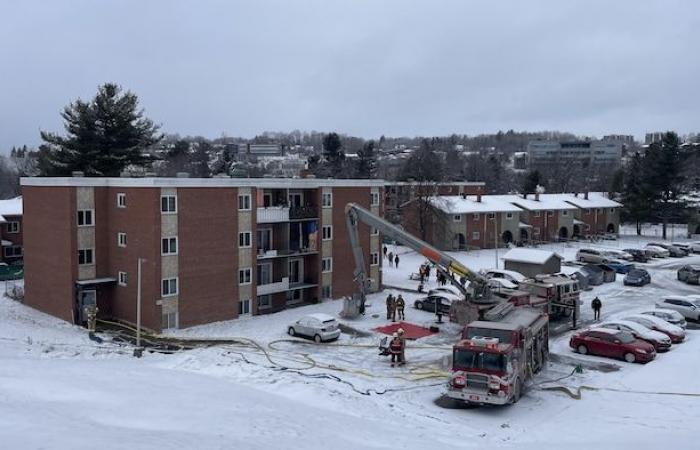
[214, 249]
[11, 230]
[546, 217]
[595, 213]
[399, 193]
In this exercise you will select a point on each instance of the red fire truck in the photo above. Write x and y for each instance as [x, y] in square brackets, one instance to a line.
[494, 359]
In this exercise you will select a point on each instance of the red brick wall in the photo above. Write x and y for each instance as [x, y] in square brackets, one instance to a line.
[50, 261]
[208, 258]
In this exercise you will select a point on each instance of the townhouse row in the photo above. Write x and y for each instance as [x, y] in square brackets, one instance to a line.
[11, 236]
[485, 221]
[209, 249]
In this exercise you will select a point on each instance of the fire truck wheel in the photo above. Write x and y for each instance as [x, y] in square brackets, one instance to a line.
[317, 339]
[291, 331]
[517, 390]
[630, 358]
[419, 305]
[582, 349]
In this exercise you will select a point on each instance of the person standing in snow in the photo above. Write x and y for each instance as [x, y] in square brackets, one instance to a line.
[396, 261]
[400, 305]
[402, 337]
[596, 304]
[391, 259]
[390, 305]
[395, 349]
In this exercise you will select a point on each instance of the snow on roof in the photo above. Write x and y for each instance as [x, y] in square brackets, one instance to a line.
[11, 207]
[456, 204]
[595, 200]
[528, 255]
[545, 202]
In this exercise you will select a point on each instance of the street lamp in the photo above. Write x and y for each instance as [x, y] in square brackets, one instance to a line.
[138, 351]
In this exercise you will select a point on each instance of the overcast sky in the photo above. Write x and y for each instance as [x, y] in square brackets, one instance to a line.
[359, 67]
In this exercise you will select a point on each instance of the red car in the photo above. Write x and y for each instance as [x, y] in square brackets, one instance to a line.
[613, 344]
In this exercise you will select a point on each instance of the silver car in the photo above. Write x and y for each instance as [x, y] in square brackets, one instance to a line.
[590, 255]
[319, 327]
[688, 307]
[669, 315]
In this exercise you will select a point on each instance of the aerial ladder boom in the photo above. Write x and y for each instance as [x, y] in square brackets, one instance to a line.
[456, 272]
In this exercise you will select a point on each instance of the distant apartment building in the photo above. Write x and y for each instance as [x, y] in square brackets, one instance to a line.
[212, 249]
[656, 136]
[547, 154]
[11, 230]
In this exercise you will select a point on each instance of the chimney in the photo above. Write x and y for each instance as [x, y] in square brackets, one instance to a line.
[77, 173]
[585, 195]
[537, 196]
[525, 195]
[478, 197]
[576, 194]
[464, 195]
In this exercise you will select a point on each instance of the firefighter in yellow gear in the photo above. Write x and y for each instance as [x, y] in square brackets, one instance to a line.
[400, 305]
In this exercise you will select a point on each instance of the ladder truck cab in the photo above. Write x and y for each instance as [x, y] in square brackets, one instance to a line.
[559, 293]
[492, 362]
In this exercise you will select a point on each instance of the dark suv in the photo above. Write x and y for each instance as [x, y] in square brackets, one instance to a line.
[637, 254]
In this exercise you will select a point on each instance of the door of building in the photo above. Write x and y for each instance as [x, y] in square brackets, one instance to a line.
[86, 298]
[296, 270]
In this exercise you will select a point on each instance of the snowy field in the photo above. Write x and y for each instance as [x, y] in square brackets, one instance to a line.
[59, 390]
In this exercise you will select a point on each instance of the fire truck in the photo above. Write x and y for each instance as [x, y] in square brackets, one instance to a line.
[558, 293]
[495, 357]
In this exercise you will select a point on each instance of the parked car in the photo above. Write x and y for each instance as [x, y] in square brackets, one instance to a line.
[510, 275]
[595, 274]
[319, 327]
[686, 247]
[657, 252]
[690, 274]
[429, 303]
[621, 267]
[501, 283]
[590, 255]
[447, 289]
[613, 344]
[637, 277]
[638, 255]
[617, 254]
[660, 341]
[669, 315]
[609, 274]
[689, 308]
[675, 252]
[675, 333]
[695, 247]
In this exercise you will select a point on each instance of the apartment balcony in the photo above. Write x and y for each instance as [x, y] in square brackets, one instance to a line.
[303, 212]
[273, 288]
[273, 214]
[284, 253]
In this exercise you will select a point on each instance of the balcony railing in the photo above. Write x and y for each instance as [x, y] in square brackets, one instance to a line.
[273, 214]
[272, 288]
[281, 253]
[303, 212]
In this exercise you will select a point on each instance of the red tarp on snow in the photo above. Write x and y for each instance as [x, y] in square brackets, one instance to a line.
[411, 331]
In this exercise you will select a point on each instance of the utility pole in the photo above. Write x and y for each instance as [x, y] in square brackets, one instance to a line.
[138, 351]
[495, 238]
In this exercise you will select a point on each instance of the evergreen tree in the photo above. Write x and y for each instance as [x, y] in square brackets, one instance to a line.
[178, 158]
[531, 181]
[199, 165]
[423, 165]
[103, 136]
[333, 154]
[635, 193]
[367, 163]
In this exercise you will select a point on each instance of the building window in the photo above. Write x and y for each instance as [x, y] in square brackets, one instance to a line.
[536, 230]
[327, 291]
[122, 279]
[168, 204]
[245, 276]
[475, 235]
[457, 218]
[598, 211]
[244, 202]
[565, 213]
[121, 239]
[327, 199]
[169, 287]
[509, 215]
[327, 265]
[121, 200]
[13, 227]
[475, 216]
[264, 301]
[374, 231]
[244, 307]
[537, 214]
[85, 218]
[244, 239]
[169, 246]
[612, 210]
[492, 216]
[85, 257]
[169, 320]
[14, 251]
[327, 232]
[588, 227]
[588, 211]
[375, 199]
[550, 213]
[374, 259]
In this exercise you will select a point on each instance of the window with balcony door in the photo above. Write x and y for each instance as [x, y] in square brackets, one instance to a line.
[264, 273]
[244, 307]
[295, 199]
[264, 240]
[296, 270]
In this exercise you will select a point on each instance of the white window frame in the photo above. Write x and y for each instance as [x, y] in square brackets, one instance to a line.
[167, 209]
[537, 214]
[327, 200]
[122, 278]
[13, 227]
[169, 285]
[327, 265]
[374, 201]
[243, 201]
[121, 200]
[374, 259]
[327, 291]
[242, 237]
[509, 215]
[588, 211]
[242, 310]
[476, 235]
[242, 276]
[92, 256]
[476, 217]
[121, 239]
[330, 232]
[550, 213]
[565, 213]
[14, 252]
[92, 218]
[165, 320]
[168, 252]
[598, 211]
[491, 216]
[457, 218]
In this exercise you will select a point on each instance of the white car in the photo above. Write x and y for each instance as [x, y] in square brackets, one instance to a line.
[501, 283]
[618, 254]
[319, 327]
[687, 306]
[657, 252]
[660, 341]
[447, 289]
[510, 275]
[669, 315]
[674, 332]
[695, 247]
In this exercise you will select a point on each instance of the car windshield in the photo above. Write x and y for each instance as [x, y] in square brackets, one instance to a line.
[469, 359]
[625, 337]
[636, 273]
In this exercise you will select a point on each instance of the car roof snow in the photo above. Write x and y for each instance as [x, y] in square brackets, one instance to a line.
[320, 316]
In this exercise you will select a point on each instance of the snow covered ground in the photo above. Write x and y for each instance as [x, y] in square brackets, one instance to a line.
[59, 390]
